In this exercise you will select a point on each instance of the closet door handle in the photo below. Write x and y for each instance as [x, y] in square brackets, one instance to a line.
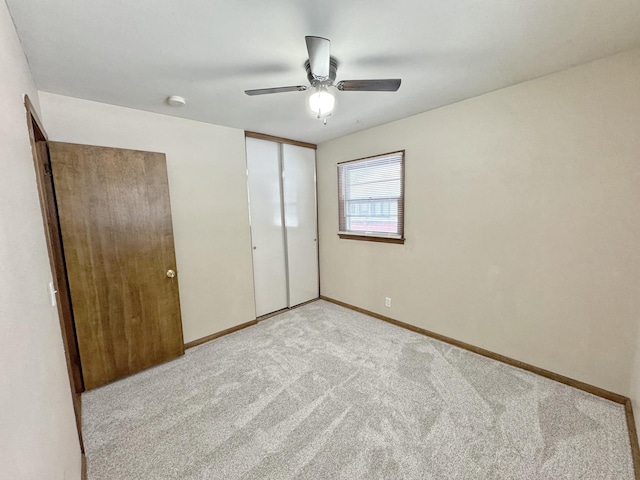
[171, 273]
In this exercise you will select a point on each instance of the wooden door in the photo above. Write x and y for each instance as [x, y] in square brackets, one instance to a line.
[267, 232]
[301, 222]
[117, 235]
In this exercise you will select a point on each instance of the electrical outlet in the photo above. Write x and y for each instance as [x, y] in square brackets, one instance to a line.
[387, 302]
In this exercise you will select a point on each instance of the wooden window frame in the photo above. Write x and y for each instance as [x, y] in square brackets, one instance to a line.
[372, 237]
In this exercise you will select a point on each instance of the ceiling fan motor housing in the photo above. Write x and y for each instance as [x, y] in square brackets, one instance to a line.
[321, 81]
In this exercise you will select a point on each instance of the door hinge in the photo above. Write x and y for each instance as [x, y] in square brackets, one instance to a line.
[47, 170]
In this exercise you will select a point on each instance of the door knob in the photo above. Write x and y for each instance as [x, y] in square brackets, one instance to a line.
[171, 273]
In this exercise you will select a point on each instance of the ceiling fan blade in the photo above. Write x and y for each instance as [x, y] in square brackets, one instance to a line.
[319, 56]
[264, 91]
[385, 85]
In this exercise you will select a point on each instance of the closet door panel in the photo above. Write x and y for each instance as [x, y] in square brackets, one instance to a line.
[300, 211]
[267, 233]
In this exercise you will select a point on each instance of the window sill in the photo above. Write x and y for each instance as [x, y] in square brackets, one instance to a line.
[370, 238]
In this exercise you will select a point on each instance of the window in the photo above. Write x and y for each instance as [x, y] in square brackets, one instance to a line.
[371, 198]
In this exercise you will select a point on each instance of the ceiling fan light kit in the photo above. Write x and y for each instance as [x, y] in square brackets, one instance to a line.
[321, 72]
[322, 102]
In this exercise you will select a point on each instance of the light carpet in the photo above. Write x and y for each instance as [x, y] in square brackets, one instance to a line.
[322, 392]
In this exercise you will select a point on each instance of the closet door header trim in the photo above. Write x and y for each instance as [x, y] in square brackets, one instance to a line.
[263, 136]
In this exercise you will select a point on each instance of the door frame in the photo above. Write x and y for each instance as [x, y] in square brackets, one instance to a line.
[58, 269]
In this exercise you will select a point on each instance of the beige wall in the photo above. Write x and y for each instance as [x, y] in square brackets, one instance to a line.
[38, 438]
[522, 222]
[207, 181]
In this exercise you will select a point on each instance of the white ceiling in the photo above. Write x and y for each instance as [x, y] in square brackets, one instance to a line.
[135, 53]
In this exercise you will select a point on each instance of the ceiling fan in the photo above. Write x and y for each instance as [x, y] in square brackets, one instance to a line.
[321, 73]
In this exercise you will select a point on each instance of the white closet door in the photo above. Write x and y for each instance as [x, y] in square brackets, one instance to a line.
[267, 233]
[299, 166]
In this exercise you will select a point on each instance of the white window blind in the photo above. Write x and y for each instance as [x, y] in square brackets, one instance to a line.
[371, 196]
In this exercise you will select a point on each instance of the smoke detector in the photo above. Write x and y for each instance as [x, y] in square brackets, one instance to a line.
[176, 101]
